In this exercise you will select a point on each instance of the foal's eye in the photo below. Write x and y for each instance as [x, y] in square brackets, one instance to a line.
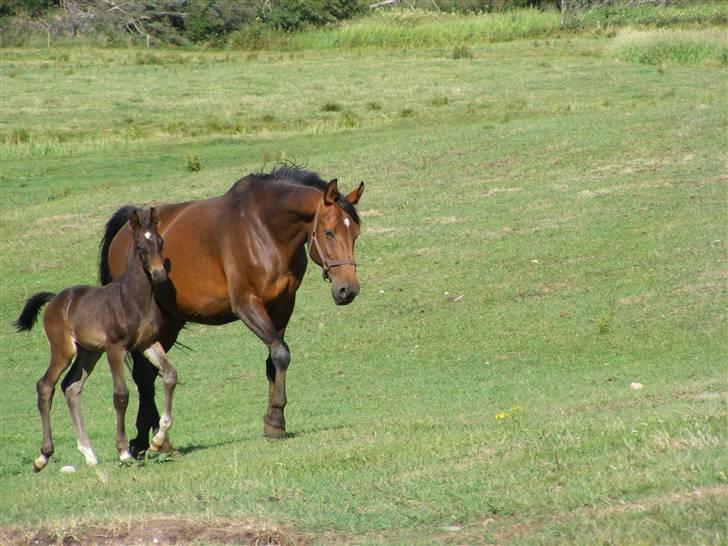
[329, 233]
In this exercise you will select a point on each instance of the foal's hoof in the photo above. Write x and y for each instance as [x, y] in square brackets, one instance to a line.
[274, 433]
[40, 463]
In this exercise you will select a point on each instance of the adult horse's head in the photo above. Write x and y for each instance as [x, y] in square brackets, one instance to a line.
[331, 243]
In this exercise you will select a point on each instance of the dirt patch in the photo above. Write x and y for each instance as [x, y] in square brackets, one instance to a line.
[493, 191]
[443, 220]
[154, 531]
[371, 213]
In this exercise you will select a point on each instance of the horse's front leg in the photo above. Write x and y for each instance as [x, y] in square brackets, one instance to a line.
[270, 328]
[274, 422]
[144, 374]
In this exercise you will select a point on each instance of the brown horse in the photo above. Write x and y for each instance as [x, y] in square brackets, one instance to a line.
[84, 321]
[242, 256]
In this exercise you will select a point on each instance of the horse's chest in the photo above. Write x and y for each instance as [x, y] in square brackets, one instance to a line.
[284, 286]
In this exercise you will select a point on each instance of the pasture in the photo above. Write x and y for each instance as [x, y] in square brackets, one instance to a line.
[544, 223]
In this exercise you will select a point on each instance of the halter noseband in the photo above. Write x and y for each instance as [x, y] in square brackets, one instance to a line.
[325, 263]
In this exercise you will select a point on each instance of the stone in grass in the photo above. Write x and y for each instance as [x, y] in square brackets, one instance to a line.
[68, 469]
[636, 386]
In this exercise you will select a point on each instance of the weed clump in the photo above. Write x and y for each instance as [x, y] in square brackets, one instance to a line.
[462, 52]
[439, 101]
[193, 163]
[331, 107]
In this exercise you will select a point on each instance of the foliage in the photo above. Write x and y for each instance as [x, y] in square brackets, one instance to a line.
[258, 24]
[289, 16]
[27, 7]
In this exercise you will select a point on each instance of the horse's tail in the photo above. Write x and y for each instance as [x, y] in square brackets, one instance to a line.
[29, 314]
[115, 223]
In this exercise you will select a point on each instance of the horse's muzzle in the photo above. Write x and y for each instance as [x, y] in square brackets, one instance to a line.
[344, 294]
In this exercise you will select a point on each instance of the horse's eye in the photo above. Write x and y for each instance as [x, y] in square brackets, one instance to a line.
[329, 233]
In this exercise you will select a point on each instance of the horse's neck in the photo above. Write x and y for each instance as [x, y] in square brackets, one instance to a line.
[291, 222]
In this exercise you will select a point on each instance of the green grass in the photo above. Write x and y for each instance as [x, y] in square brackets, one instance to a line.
[544, 227]
[673, 47]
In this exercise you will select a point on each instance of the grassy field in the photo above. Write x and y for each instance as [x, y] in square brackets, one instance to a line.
[544, 223]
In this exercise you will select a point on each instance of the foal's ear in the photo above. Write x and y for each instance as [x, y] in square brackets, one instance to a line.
[332, 192]
[154, 217]
[354, 196]
[134, 220]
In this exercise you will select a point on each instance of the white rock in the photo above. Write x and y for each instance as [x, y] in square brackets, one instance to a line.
[636, 386]
[68, 469]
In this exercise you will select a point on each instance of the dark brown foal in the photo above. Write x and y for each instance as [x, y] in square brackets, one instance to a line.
[86, 321]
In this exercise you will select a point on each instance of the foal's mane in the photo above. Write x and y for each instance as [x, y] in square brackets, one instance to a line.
[295, 176]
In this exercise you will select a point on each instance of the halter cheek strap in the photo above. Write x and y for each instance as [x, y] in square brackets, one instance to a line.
[326, 264]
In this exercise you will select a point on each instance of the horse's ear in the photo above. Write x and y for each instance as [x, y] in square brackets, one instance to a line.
[354, 196]
[154, 217]
[332, 192]
[134, 220]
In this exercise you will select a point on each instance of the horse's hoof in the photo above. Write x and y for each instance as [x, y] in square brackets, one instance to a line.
[37, 468]
[273, 433]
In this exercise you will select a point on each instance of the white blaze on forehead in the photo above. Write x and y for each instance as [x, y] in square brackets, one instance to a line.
[148, 235]
[347, 222]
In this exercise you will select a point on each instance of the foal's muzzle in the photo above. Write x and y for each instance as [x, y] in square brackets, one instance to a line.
[158, 275]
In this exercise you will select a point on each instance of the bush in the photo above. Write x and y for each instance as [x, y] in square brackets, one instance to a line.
[288, 16]
[211, 19]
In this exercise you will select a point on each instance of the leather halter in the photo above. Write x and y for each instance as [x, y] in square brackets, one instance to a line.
[326, 264]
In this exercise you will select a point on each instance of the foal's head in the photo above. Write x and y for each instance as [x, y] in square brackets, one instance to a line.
[148, 245]
[336, 228]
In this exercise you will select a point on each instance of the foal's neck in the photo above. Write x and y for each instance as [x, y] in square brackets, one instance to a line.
[136, 279]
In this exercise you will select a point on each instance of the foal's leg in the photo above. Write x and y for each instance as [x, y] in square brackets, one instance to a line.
[62, 350]
[158, 357]
[85, 362]
[144, 375]
[116, 355]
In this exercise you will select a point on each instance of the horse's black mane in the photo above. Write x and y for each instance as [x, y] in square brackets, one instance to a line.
[290, 174]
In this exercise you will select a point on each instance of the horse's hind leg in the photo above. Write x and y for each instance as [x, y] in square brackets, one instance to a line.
[72, 388]
[115, 354]
[62, 350]
[158, 357]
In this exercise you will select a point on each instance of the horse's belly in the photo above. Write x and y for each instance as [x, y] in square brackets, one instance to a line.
[202, 308]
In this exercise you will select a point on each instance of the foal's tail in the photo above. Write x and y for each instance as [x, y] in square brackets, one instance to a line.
[29, 314]
[115, 223]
